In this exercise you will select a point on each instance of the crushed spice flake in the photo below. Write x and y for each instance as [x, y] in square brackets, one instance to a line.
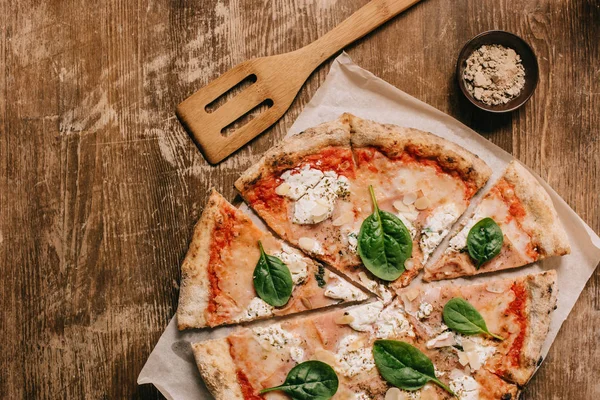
[494, 74]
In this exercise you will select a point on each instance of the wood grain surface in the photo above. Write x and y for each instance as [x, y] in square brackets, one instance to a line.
[100, 186]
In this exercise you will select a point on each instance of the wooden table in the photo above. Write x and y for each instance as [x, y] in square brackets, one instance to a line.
[100, 185]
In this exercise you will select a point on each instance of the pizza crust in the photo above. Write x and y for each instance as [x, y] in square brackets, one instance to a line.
[393, 140]
[542, 221]
[217, 368]
[293, 149]
[194, 292]
[542, 295]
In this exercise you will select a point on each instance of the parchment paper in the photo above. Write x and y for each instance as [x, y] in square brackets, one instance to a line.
[349, 88]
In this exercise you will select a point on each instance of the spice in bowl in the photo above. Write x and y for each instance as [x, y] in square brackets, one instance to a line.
[494, 74]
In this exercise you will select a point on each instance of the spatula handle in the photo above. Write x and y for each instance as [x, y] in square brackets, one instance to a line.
[363, 21]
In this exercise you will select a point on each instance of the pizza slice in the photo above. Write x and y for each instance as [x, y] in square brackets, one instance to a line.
[423, 179]
[313, 190]
[218, 284]
[515, 224]
[350, 340]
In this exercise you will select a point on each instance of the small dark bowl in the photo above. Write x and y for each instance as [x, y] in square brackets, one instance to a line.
[528, 60]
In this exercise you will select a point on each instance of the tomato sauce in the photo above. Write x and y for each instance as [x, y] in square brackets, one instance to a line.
[223, 233]
[263, 195]
[248, 391]
[336, 159]
[365, 157]
[517, 308]
[506, 192]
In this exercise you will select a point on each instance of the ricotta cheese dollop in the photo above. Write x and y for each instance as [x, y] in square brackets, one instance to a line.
[437, 226]
[314, 193]
[342, 290]
[295, 262]
[257, 308]
[353, 357]
[465, 387]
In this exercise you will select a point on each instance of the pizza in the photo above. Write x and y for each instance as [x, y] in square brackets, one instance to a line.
[530, 227]
[217, 272]
[472, 366]
[313, 190]
[358, 207]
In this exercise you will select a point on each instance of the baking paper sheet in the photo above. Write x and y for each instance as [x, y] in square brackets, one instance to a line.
[349, 88]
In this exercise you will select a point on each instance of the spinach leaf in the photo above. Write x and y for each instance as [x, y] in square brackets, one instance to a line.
[484, 241]
[310, 380]
[462, 317]
[384, 243]
[272, 279]
[404, 366]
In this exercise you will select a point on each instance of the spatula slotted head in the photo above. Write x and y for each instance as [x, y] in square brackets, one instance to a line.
[274, 82]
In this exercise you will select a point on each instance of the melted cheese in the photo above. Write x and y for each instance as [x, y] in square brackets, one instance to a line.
[343, 290]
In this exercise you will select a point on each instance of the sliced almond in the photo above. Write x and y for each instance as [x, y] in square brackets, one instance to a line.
[492, 288]
[409, 198]
[393, 394]
[283, 189]
[443, 340]
[326, 356]
[400, 206]
[306, 302]
[409, 264]
[344, 319]
[412, 294]
[343, 219]
[462, 358]
[474, 360]
[422, 203]
[468, 345]
[307, 243]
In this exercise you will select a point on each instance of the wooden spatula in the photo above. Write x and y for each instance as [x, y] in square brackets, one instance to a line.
[276, 81]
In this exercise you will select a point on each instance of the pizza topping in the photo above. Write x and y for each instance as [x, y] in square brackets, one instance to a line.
[295, 262]
[353, 357]
[256, 309]
[365, 316]
[343, 290]
[444, 339]
[465, 386]
[425, 310]
[298, 181]
[272, 279]
[475, 352]
[462, 317]
[379, 289]
[314, 193]
[297, 354]
[392, 322]
[394, 393]
[352, 239]
[422, 203]
[310, 245]
[309, 380]
[404, 366]
[410, 198]
[437, 226]
[384, 243]
[344, 319]
[484, 241]
[275, 336]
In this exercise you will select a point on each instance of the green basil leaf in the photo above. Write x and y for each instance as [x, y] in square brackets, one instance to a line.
[384, 243]
[272, 279]
[462, 317]
[404, 366]
[484, 241]
[310, 380]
